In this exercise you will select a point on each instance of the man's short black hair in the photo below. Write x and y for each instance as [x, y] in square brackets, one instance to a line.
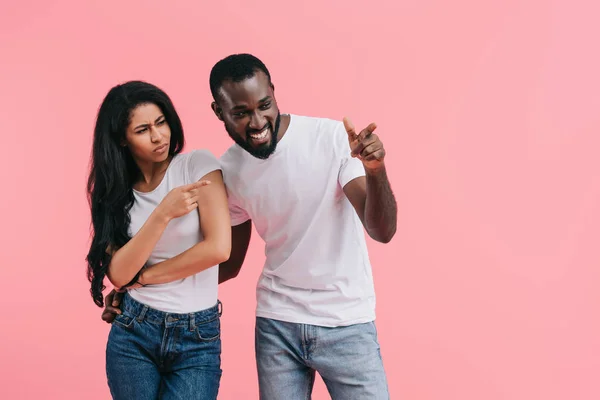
[236, 68]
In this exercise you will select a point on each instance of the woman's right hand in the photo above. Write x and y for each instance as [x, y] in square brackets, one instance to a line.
[181, 200]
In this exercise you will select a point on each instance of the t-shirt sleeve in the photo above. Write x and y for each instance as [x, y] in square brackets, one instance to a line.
[350, 167]
[200, 163]
[236, 207]
[237, 213]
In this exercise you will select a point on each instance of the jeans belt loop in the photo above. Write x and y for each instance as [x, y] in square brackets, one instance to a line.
[140, 317]
[192, 322]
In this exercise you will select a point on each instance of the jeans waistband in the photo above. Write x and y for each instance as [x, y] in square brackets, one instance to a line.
[142, 312]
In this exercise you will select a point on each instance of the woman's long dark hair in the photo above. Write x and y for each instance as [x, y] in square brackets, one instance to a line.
[113, 172]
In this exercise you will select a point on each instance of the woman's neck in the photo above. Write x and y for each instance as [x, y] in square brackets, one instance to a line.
[151, 174]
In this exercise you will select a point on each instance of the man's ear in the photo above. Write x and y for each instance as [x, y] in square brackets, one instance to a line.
[217, 110]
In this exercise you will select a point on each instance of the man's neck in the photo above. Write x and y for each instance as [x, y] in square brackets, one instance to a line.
[283, 126]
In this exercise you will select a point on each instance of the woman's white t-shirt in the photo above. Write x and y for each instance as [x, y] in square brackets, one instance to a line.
[196, 292]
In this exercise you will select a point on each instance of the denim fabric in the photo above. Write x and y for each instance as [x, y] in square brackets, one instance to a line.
[151, 354]
[347, 358]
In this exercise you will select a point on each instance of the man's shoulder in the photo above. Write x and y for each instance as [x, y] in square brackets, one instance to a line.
[231, 156]
[322, 129]
[321, 123]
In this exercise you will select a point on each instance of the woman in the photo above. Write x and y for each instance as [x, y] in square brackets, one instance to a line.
[160, 227]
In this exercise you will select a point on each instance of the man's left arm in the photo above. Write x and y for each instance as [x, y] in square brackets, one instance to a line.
[371, 195]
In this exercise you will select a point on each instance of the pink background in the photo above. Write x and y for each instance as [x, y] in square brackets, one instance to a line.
[490, 112]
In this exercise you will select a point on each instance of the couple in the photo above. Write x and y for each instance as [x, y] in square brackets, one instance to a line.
[168, 227]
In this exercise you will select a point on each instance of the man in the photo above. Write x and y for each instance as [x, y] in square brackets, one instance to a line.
[310, 185]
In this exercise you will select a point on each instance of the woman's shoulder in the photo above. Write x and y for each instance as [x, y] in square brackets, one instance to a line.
[202, 154]
[197, 163]
[194, 157]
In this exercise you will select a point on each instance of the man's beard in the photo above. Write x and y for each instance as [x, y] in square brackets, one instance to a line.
[262, 152]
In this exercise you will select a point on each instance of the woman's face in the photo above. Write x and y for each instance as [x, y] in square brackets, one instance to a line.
[148, 135]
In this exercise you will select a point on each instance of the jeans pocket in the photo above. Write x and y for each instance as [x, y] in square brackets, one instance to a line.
[209, 331]
[126, 321]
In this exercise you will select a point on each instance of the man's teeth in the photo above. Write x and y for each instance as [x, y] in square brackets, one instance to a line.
[260, 135]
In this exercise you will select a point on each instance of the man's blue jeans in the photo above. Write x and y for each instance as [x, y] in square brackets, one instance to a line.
[347, 358]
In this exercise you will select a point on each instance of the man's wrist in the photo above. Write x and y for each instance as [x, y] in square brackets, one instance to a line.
[375, 171]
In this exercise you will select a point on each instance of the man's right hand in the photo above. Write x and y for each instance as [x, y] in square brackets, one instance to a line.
[112, 301]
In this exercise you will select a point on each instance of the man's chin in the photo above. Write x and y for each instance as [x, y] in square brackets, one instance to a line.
[259, 146]
[257, 150]
[263, 151]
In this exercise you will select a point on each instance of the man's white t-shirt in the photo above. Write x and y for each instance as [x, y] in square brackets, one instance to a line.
[196, 292]
[317, 269]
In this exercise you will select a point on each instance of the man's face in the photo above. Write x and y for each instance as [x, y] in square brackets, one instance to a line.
[250, 114]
